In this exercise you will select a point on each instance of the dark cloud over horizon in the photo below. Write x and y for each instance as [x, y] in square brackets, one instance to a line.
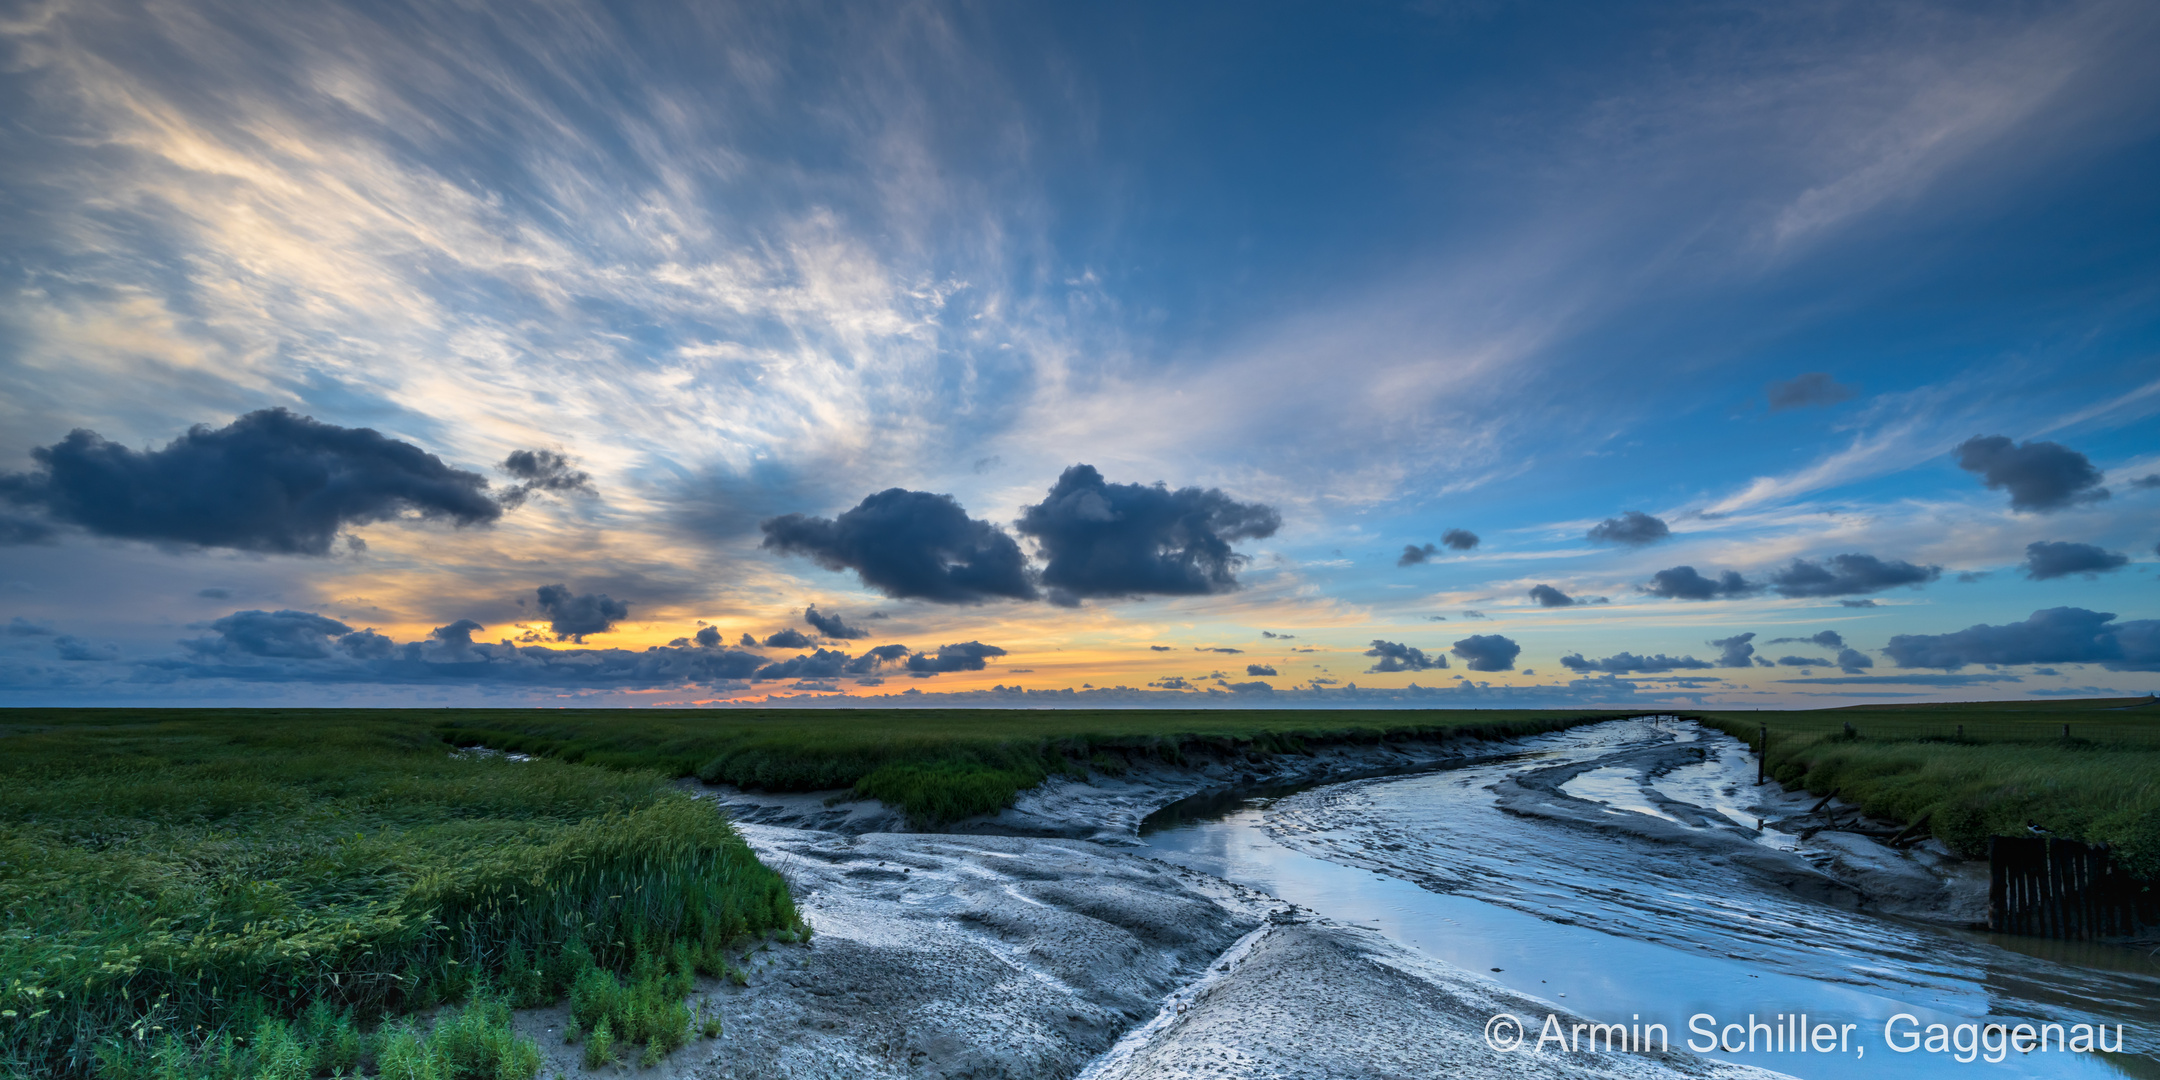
[2048, 559]
[910, 545]
[543, 470]
[1393, 656]
[1104, 540]
[1626, 662]
[1828, 639]
[1487, 652]
[2042, 477]
[1631, 529]
[2060, 635]
[575, 615]
[789, 638]
[1736, 651]
[1259, 669]
[832, 626]
[1848, 575]
[271, 481]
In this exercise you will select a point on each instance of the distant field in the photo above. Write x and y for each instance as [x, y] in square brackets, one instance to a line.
[1984, 768]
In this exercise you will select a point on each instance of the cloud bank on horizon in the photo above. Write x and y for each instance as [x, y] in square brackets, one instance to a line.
[765, 352]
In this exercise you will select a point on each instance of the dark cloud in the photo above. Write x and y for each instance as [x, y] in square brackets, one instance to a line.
[214, 593]
[2146, 483]
[1278, 637]
[1735, 651]
[1853, 660]
[1394, 657]
[832, 626]
[1459, 539]
[456, 637]
[965, 656]
[1259, 669]
[21, 627]
[575, 615]
[1626, 662]
[1413, 554]
[1858, 603]
[708, 637]
[1160, 648]
[1174, 682]
[297, 635]
[747, 641]
[822, 664]
[2041, 476]
[1466, 615]
[76, 649]
[2063, 635]
[17, 530]
[1828, 639]
[271, 481]
[2055, 558]
[1211, 648]
[1547, 596]
[1633, 529]
[1487, 652]
[1905, 680]
[910, 544]
[1968, 577]
[1117, 540]
[1813, 388]
[789, 638]
[1847, 575]
[543, 470]
[1254, 687]
[1683, 583]
[1803, 661]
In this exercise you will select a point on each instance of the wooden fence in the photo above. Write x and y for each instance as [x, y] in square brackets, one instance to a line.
[2044, 887]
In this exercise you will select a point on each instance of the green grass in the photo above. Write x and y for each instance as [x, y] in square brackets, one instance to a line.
[940, 765]
[176, 884]
[1982, 769]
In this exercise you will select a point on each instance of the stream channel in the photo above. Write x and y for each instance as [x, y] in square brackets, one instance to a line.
[1617, 929]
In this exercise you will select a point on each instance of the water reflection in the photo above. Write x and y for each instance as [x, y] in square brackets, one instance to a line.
[1615, 928]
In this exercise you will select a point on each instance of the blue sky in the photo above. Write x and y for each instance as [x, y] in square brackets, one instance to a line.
[1342, 277]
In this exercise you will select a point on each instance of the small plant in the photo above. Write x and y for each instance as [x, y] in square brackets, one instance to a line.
[600, 1047]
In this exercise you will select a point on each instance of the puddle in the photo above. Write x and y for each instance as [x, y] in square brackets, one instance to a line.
[1626, 930]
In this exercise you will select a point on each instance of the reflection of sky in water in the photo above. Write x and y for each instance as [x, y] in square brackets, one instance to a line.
[1623, 931]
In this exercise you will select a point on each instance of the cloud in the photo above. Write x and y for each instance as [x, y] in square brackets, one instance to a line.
[708, 637]
[1903, 680]
[214, 593]
[910, 545]
[747, 641]
[1858, 603]
[1119, 540]
[1802, 391]
[2055, 558]
[1803, 661]
[2146, 483]
[1969, 577]
[1459, 539]
[1626, 662]
[1736, 651]
[965, 656]
[1278, 637]
[1259, 669]
[543, 470]
[1174, 682]
[832, 626]
[1846, 575]
[298, 635]
[1394, 657]
[574, 616]
[2062, 635]
[822, 664]
[789, 638]
[1212, 648]
[1160, 648]
[21, 627]
[1828, 639]
[16, 530]
[1683, 583]
[1632, 529]
[1250, 687]
[1547, 596]
[1487, 652]
[2042, 477]
[272, 481]
[1412, 554]
[1853, 660]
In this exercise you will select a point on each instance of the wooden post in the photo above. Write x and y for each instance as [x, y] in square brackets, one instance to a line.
[1762, 755]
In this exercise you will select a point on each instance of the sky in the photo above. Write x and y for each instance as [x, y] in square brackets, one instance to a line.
[1423, 354]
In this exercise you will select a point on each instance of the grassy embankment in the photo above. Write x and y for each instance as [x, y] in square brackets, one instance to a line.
[2011, 765]
[228, 895]
[940, 765]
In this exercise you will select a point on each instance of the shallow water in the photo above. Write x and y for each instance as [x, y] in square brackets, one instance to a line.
[1621, 930]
